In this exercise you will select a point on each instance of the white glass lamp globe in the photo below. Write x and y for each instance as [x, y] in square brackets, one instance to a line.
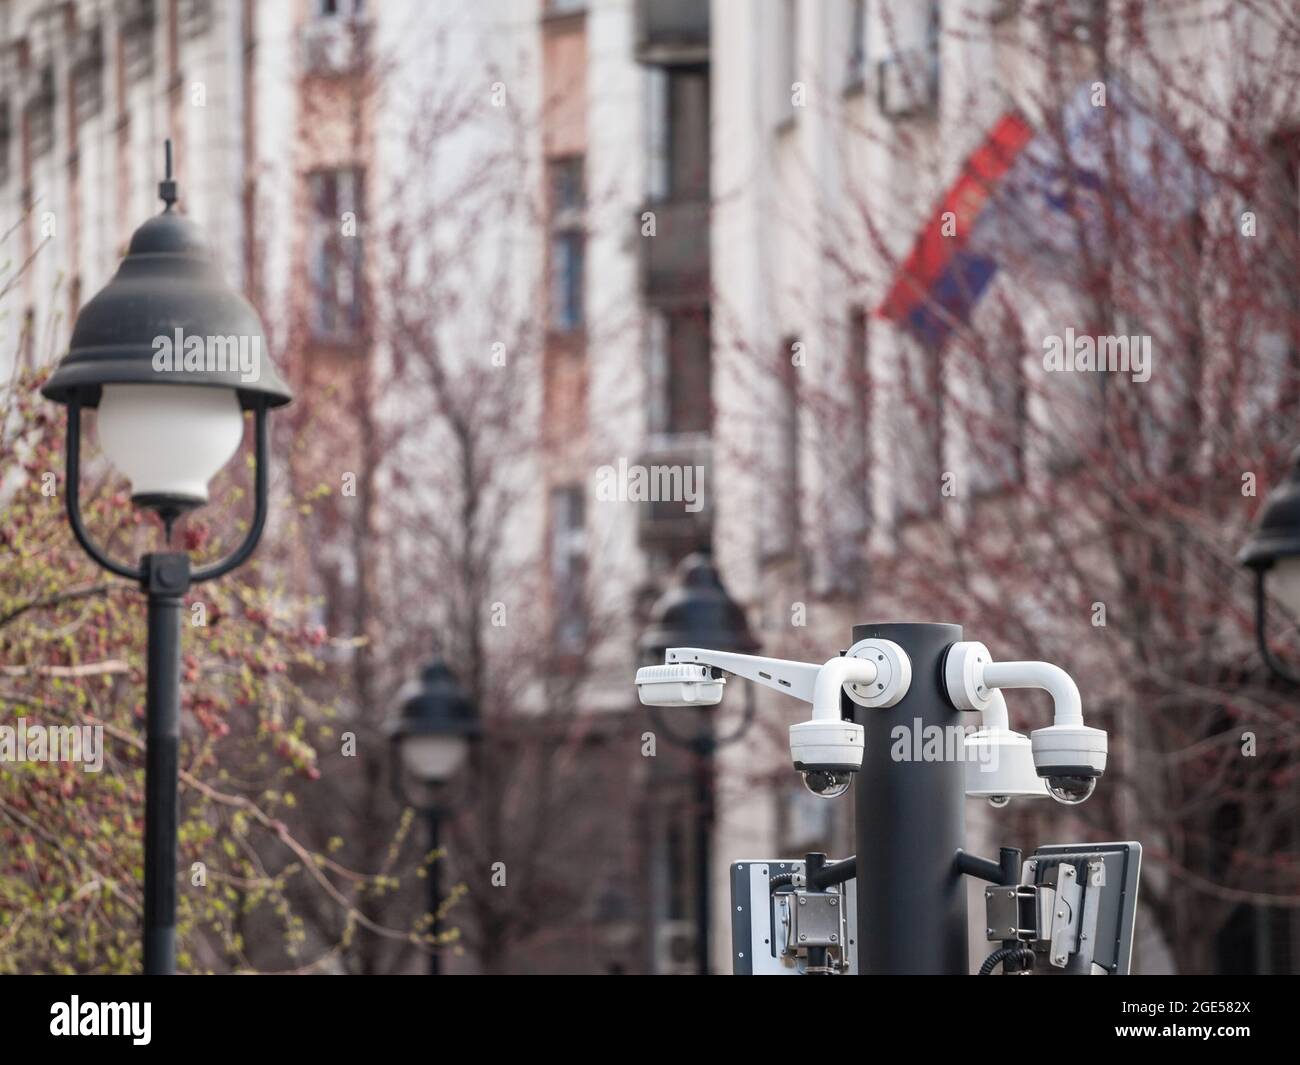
[169, 440]
[1284, 583]
[433, 758]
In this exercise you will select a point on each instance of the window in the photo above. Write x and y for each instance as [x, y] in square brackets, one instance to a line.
[689, 372]
[1255, 941]
[568, 244]
[137, 22]
[681, 372]
[88, 74]
[27, 339]
[568, 265]
[569, 566]
[787, 64]
[1271, 379]
[859, 364]
[40, 115]
[6, 136]
[679, 133]
[333, 39]
[856, 71]
[907, 81]
[339, 8]
[1075, 21]
[839, 431]
[919, 430]
[677, 835]
[780, 506]
[567, 186]
[195, 17]
[998, 444]
[335, 253]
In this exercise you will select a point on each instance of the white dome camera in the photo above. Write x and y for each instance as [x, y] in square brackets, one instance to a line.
[827, 753]
[1067, 754]
[1070, 758]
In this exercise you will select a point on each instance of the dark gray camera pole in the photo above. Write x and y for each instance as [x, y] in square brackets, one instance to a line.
[910, 822]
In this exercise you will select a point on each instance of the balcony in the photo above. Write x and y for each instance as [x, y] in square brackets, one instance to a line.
[908, 84]
[333, 46]
[678, 476]
[672, 32]
[675, 261]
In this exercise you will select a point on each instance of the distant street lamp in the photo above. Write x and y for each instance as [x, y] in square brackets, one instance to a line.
[431, 738]
[1273, 552]
[696, 611]
[169, 430]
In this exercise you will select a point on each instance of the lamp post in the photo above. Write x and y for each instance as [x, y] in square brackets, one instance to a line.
[430, 740]
[1274, 549]
[696, 611]
[169, 425]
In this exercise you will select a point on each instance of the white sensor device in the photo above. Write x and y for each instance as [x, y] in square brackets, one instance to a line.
[679, 685]
[1000, 762]
[1068, 754]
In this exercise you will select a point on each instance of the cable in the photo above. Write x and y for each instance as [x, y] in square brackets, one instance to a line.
[780, 880]
[1003, 954]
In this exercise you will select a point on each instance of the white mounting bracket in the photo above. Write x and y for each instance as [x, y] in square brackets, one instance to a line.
[893, 669]
[874, 673]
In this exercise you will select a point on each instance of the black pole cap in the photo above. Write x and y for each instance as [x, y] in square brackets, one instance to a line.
[696, 611]
[436, 705]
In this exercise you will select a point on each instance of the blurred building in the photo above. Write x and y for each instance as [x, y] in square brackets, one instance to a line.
[825, 116]
[747, 142]
[88, 92]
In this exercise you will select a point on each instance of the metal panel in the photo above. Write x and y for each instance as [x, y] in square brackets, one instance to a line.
[756, 929]
[1116, 912]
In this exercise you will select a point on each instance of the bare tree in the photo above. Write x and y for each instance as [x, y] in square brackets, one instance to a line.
[1092, 518]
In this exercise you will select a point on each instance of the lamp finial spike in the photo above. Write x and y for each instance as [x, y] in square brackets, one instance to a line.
[167, 187]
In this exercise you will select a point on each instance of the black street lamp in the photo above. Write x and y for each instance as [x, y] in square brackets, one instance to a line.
[430, 740]
[696, 611]
[1274, 548]
[169, 425]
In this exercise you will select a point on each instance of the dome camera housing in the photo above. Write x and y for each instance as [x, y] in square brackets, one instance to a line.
[828, 783]
[827, 753]
[1070, 758]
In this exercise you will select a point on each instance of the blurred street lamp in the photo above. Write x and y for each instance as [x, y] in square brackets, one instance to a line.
[430, 740]
[1273, 552]
[696, 611]
[169, 427]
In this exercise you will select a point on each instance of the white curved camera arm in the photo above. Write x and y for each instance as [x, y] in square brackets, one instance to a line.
[805, 681]
[1069, 754]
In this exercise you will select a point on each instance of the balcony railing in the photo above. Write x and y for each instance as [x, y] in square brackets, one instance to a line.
[675, 261]
[672, 32]
[678, 470]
